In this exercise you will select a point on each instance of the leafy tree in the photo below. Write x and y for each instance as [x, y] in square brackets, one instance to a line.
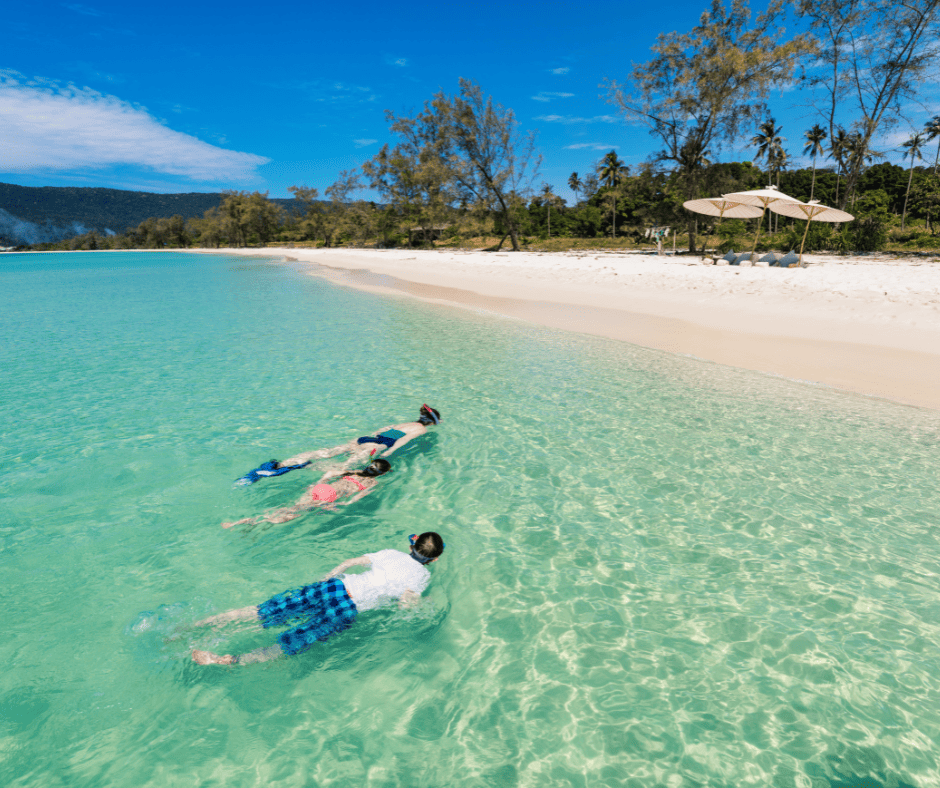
[814, 148]
[414, 176]
[912, 148]
[703, 88]
[870, 227]
[875, 53]
[490, 161]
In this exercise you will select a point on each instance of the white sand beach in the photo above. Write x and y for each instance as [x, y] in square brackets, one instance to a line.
[865, 324]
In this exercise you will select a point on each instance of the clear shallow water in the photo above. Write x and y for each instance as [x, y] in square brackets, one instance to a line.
[659, 572]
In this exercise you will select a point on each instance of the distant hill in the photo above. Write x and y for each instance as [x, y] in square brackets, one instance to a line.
[31, 214]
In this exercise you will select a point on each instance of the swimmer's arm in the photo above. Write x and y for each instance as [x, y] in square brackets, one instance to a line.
[356, 497]
[332, 473]
[362, 560]
[408, 599]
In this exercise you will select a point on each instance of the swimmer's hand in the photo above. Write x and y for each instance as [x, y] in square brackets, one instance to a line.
[208, 658]
[408, 599]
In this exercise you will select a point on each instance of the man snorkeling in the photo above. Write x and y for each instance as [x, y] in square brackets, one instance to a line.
[322, 609]
[382, 443]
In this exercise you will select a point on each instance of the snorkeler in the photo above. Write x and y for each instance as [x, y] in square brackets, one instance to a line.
[382, 443]
[331, 605]
[352, 486]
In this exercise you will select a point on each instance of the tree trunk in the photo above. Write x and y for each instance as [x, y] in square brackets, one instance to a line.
[907, 194]
[692, 223]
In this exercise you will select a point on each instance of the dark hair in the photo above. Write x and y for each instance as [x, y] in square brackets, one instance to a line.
[429, 544]
[426, 419]
[379, 466]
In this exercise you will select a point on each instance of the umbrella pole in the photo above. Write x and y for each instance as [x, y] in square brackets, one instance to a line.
[721, 215]
[808, 220]
[757, 237]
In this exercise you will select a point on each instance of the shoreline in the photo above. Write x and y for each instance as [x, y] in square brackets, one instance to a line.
[868, 325]
[860, 325]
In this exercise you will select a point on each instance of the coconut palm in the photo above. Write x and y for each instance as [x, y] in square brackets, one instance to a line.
[838, 152]
[611, 171]
[768, 142]
[770, 148]
[913, 145]
[814, 148]
[932, 131]
[857, 154]
[548, 198]
[574, 183]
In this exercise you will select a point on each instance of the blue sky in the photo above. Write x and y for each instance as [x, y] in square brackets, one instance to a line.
[205, 96]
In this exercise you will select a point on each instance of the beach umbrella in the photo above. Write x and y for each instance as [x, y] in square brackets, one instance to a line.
[811, 211]
[721, 207]
[763, 198]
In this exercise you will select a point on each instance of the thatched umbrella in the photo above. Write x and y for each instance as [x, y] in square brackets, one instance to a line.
[810, 211]
[763, 198]
[722, 207]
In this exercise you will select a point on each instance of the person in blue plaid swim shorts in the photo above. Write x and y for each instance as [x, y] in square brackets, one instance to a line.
[319, 610]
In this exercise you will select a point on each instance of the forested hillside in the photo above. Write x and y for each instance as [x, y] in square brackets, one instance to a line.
[51, 213]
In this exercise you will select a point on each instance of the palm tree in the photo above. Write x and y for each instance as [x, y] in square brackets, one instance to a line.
[914, 143]
[837, 152]
[770, 147]
[548, 198]
[611, 172]
[857, 153]
[932, 130]
[813, 147]
[768, 142]
[778, 163]
[574, 183]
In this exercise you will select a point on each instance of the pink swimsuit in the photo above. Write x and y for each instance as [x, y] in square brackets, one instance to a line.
[328, 494]
[323, 492]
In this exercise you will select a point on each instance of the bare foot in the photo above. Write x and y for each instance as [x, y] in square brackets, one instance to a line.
[208, 658]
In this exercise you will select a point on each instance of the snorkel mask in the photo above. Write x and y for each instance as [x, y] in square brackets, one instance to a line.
[428, 416]
[373, 469]
[421, 559]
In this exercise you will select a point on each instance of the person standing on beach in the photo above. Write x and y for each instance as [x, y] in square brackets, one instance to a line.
[382, 443]
[353, 486]
[329, 606]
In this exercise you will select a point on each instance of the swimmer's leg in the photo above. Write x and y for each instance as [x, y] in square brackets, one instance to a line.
[319, 454]
[241, 614]
[258, 655]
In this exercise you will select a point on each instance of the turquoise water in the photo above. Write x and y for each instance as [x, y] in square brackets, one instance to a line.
[659, 572]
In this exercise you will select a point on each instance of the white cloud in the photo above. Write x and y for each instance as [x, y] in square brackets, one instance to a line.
[591, 146]
[571, 120]
[364, 143]
[399, 61]
[548, 96]
[82, 9]
[48, 126]
[562, 70]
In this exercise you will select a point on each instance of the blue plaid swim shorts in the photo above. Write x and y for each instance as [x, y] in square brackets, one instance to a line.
[325, 606]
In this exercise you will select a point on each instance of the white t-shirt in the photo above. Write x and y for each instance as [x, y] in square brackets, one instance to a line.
[391, 574]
